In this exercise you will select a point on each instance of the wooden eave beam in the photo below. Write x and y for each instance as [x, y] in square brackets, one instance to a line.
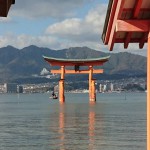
[137, 8]
[97, 71]
[110, 22]
[117, 15]
[133, 26]
[132, 40]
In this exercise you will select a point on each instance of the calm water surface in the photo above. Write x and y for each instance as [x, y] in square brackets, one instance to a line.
[34, 122]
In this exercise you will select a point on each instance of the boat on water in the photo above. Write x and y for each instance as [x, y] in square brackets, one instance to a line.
[54, 96]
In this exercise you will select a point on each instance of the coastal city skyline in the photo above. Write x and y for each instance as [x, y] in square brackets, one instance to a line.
[102, 86]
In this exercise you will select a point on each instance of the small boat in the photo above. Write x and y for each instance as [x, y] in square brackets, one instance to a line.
[54, 96]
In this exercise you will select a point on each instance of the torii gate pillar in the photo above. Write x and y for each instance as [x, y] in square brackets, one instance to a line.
[61, 85]
[61, 91]
[92, 94]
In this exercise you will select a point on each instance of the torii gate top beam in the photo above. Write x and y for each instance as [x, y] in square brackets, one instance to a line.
[127, 21]
[76, 62]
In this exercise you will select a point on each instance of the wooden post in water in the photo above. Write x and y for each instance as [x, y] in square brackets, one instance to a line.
[93, 92]
[148, 94]
[61, 85]
[92, 95]
[90, 81]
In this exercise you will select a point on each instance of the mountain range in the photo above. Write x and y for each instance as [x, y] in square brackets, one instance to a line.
[24, 63]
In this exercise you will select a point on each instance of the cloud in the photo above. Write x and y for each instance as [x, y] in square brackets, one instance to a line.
[47, 8]
[86, 31]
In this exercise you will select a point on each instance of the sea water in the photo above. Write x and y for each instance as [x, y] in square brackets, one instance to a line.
[117, 121]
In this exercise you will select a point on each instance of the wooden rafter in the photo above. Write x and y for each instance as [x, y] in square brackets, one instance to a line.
[137, 8]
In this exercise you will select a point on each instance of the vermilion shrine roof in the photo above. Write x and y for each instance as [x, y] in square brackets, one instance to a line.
[127, 21]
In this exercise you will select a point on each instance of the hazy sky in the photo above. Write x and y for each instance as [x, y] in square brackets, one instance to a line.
[57, 24]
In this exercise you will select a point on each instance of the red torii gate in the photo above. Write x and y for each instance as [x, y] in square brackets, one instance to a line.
[128, 21]
[77, 63]
[4, 7]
